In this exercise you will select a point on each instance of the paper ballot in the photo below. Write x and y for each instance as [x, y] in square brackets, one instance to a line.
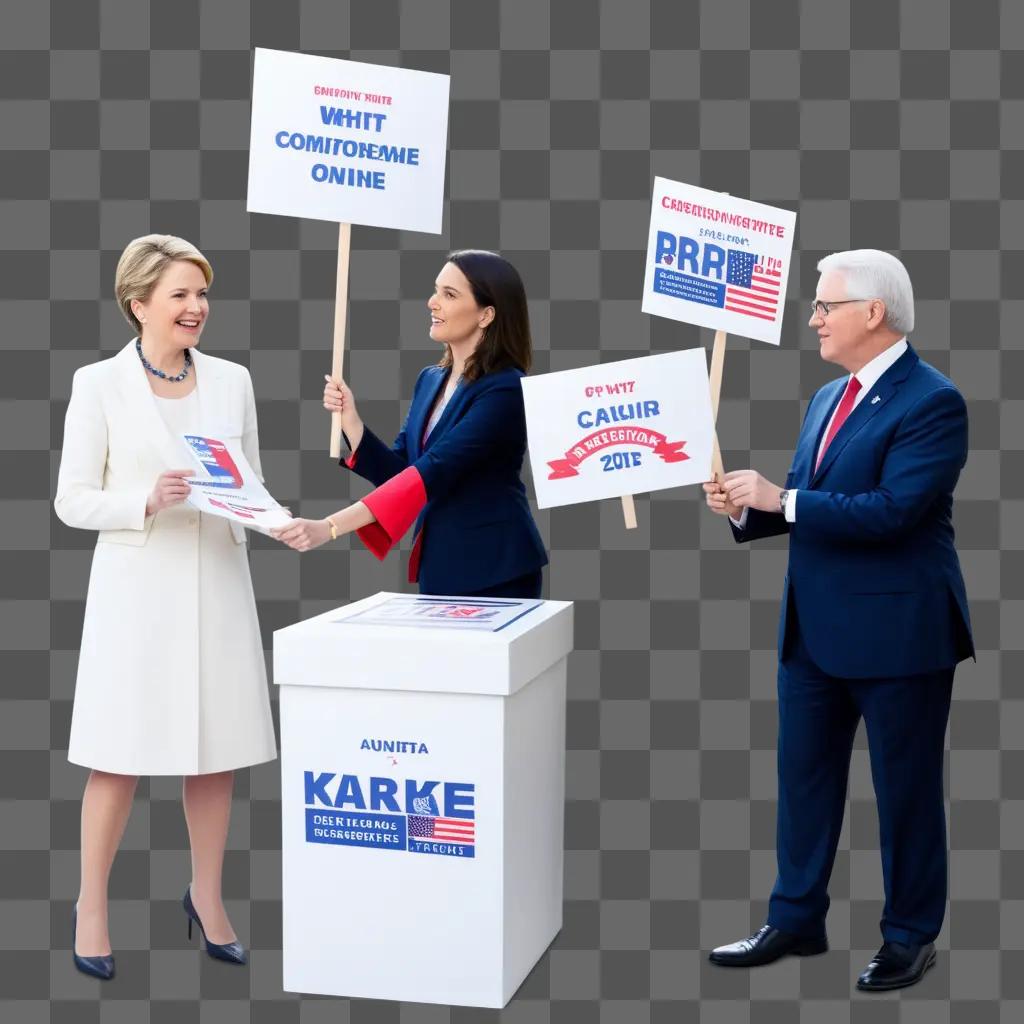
[226, 485]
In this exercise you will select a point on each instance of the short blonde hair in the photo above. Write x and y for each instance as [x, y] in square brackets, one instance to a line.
[141, 264]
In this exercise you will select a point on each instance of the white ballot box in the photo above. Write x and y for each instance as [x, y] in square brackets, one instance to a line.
[422, 793]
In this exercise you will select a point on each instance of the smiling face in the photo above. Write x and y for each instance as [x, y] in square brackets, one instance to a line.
[176, 311]
[846, 332]
[455, 318]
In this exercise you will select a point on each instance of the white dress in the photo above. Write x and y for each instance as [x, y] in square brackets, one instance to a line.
[171, 675]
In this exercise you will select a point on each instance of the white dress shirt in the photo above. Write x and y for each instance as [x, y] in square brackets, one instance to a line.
[868, 376]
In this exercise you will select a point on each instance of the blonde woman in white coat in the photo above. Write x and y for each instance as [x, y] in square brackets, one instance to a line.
[171, 677]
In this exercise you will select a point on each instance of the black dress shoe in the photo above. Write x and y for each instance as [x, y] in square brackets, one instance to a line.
[766, 946]
[896, 966]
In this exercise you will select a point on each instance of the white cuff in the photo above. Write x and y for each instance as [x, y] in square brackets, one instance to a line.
[790, 510]
[741, 523]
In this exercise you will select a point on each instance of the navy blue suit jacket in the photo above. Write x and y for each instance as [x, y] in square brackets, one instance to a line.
[873, 571]
[477, 527]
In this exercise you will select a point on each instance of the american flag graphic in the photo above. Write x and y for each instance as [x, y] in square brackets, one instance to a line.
[750, 288]
[454, 830]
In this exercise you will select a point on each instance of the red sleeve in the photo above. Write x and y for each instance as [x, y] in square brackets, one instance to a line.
[351, 460]
[395, 505]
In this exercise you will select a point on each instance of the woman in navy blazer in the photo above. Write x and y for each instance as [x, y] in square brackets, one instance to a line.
[454, 467]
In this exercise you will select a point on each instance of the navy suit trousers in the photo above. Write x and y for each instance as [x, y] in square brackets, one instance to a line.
[905, 719]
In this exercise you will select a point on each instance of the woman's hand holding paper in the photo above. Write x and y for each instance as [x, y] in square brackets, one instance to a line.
[171, 488]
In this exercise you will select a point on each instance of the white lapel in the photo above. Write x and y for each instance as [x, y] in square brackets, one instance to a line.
[221, 411]
[216, 408]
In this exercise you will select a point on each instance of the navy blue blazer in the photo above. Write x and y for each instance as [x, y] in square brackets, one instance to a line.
[873, 571]
[477, 527]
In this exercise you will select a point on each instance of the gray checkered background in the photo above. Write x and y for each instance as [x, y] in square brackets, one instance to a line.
[883, 124]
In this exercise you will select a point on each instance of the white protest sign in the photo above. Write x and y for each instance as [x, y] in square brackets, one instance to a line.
[226, 485]
[619, 428]
[717, 260]
[349, 142]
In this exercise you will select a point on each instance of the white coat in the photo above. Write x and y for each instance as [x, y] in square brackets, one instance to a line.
[171, 677]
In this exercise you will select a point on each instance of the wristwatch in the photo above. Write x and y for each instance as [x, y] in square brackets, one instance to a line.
[783, 497]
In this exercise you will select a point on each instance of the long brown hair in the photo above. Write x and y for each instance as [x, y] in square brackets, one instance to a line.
[506, 341]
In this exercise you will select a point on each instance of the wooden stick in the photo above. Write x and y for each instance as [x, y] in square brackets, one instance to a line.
[717, 363]
[629, 511]
[340, 319]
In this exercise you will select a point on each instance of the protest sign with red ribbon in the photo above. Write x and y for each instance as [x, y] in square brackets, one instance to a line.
[619, 428]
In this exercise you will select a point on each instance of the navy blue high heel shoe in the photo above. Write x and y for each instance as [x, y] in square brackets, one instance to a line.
[101, 967]
[231, 952]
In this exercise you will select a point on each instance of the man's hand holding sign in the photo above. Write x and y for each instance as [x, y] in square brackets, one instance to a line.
[743, 488]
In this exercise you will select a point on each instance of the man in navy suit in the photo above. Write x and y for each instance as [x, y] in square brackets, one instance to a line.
[874, 617]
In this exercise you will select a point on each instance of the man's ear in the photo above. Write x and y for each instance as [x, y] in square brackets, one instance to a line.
[876, 313]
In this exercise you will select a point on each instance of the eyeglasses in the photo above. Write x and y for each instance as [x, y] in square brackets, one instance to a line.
[822, 309]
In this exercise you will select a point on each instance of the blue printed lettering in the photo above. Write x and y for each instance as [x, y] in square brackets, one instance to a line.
[618, 413]
[350, 792]
[365, 119]
[714, 260]
[424, 794]
[688, 249]
[459, 800]
[316, 789]
[382, 794]
[665, 244]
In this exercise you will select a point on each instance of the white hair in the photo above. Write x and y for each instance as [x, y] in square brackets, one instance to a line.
[874, 274]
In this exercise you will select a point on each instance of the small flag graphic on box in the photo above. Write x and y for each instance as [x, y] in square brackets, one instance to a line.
[750, 288]
[453, 830]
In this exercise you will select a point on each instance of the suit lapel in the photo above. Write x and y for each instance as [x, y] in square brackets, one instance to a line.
[215, 405]
[875, 398]
[810, 438]
[420, 410]
[214, 400]
[865, 409]
[442, 424]
[455, 403]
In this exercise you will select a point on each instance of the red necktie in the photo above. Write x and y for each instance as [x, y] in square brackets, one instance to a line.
[844, 410]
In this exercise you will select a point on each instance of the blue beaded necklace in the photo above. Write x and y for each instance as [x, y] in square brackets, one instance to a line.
[160, 373]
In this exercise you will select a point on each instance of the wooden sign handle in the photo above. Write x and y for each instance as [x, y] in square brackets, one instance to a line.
[717, 468]
[629, 511]
[717, 363]
[340, 319]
